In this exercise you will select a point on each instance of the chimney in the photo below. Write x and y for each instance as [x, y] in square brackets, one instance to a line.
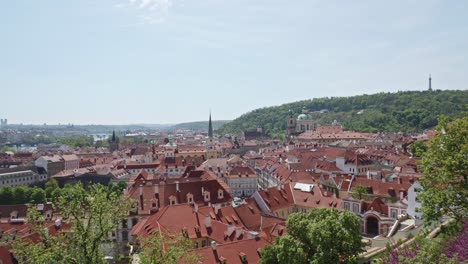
[195, 208]
[207, 221]
[202, 191]
[238, 232]
[213, 245]
[230, 230]
[177, 186]
[58, 223]
[252, 234]
[216, 209]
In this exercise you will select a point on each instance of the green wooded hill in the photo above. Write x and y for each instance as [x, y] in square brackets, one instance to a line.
[408, 111]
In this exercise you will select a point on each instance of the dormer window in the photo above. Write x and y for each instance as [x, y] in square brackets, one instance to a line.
[220, 194]
[206, 196]
[189, 198]
[14, 215]
[172, 200]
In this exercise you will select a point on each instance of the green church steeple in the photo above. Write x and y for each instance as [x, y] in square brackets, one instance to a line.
[210, 128]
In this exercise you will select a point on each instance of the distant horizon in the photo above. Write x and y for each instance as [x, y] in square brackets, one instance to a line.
[138, 124]
[214, 120]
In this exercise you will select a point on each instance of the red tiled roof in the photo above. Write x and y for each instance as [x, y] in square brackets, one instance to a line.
[277, 199]
[147, 191]
[316, 199]
[377, 205]
[190, 221]
[249, 214]
[5, 256]
[231, 252]
[380, 188]
[137, 166]
[242, 171]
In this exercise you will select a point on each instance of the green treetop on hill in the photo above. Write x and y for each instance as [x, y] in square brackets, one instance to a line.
[383, 112]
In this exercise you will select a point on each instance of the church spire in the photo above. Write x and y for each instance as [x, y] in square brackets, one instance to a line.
[210, 128]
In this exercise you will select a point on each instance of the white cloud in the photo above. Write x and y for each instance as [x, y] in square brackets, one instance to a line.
[151, 11]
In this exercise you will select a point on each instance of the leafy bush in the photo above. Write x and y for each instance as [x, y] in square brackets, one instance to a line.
[441, 250]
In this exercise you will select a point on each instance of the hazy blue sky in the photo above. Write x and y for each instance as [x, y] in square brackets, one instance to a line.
[168, 61]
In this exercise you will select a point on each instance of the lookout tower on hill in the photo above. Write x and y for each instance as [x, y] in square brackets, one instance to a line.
[430, 83]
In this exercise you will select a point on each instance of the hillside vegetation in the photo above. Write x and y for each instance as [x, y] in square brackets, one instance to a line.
[408, 111]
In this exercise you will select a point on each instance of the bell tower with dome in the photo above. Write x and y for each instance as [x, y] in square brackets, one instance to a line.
[304, 121]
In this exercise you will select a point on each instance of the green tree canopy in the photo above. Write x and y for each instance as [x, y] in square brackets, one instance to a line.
[38, 195]
[122, 185]
[6, 148]
[445, 170]
[166, 249]
[319, 236]
[418, 148]
[50, 186]
[21, 195]
[6, 195]
[92, 214]
[77, 141]
[360, 192]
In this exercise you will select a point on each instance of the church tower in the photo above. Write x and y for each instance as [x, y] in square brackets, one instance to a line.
[210, 128]
[291, 123]
[114, 143]
[211, 151]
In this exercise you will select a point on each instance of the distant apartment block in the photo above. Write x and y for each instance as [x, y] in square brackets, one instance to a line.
[24, 177]
[54, 164]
